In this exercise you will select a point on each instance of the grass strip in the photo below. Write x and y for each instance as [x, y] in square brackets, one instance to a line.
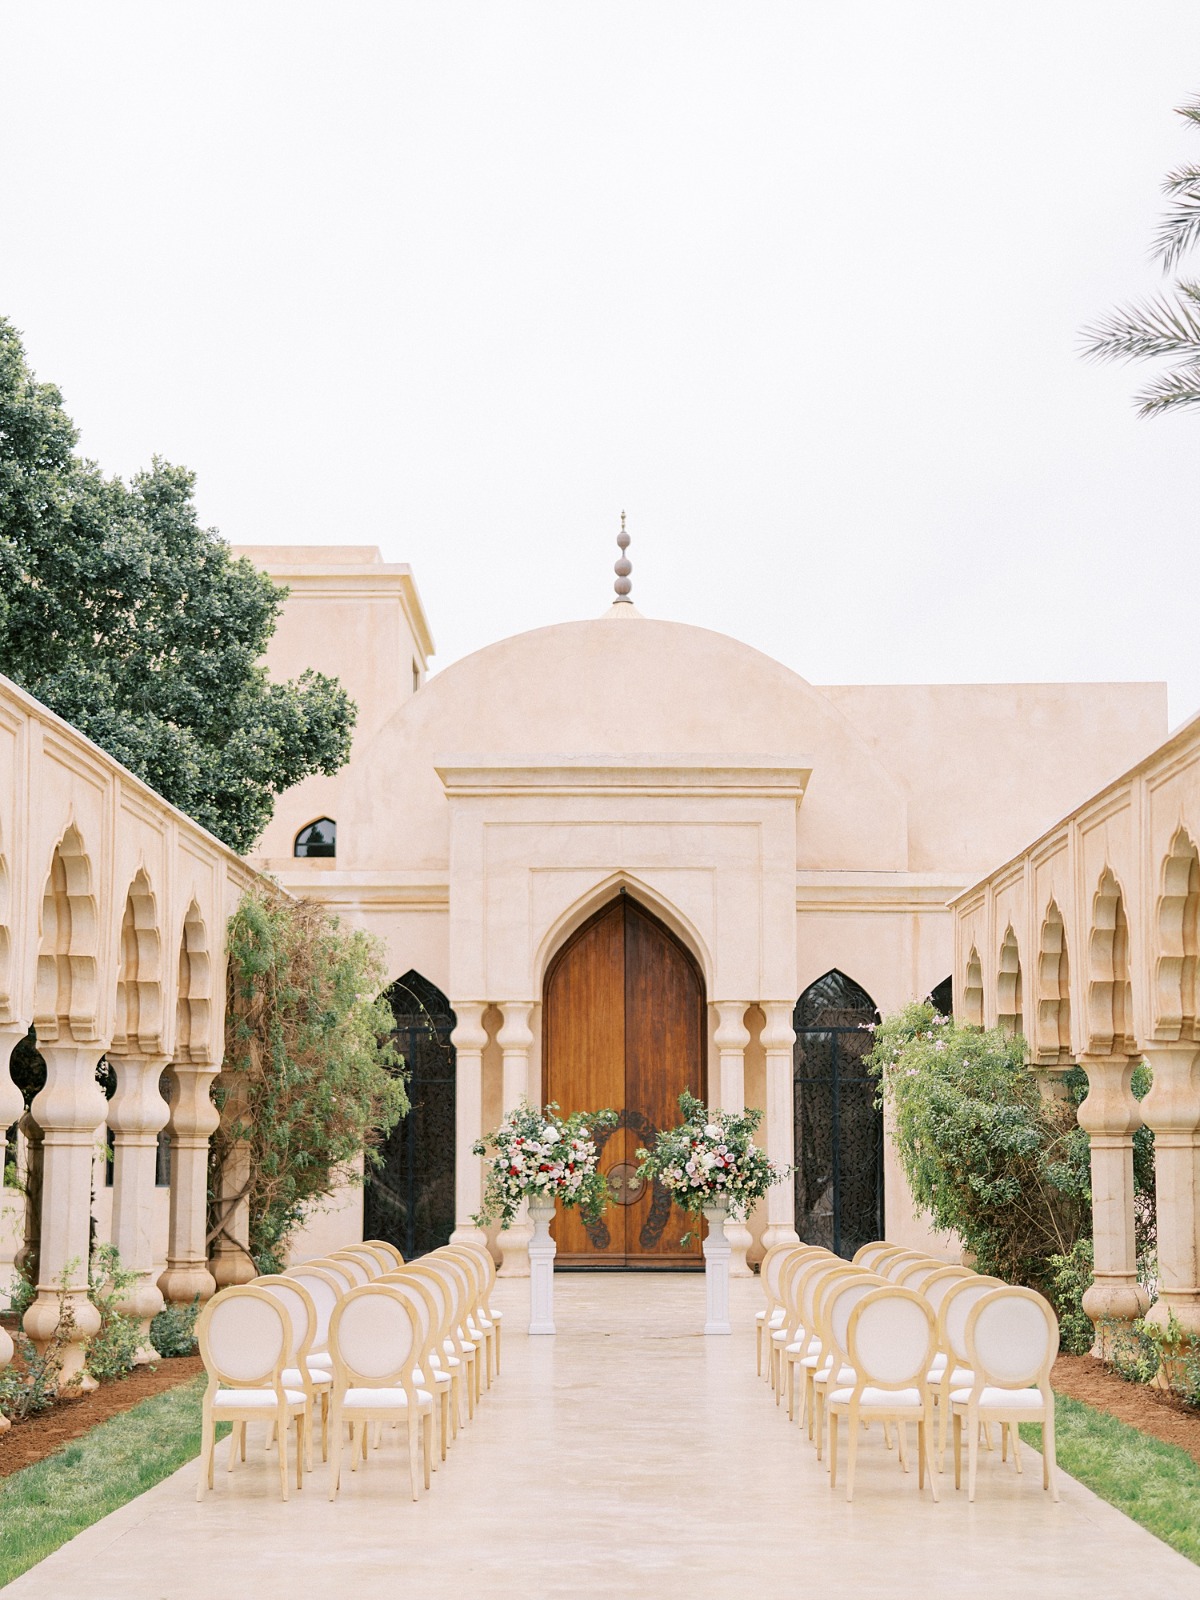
[1156, 1484]
[44, 1505]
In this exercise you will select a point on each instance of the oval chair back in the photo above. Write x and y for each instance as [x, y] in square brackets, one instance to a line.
[890, 1338]
[395, 1255]
[865, 1255]
[936, 1286]
[338, 1270]
[324, 1289]
[244, 1335]
[375, 1337]
[952, 1317]
[892, 1266]
[770, 1269]
[374, 1263]
[914, 1273]
[463, 1287]
[354, 1266]
[435, 1288]
[840, 1301]
[301, 1311]
[792, 1275]
[1011, 1339]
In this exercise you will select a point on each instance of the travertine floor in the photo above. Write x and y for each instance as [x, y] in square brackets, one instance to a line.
[628, 1456]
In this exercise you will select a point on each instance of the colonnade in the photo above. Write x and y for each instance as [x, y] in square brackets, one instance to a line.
[1088, 943]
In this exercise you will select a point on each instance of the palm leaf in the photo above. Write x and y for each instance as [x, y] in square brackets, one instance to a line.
[1172, 390]
[1180, 228]
[1158, 327]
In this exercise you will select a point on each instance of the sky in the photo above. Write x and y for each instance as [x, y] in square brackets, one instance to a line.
[797, 286]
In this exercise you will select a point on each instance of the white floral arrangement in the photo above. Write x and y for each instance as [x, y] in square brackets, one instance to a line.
[537, 1155]
[711, 1159]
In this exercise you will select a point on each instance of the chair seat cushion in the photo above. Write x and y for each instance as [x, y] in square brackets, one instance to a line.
[383, 1400]
[320, 1377]
[1001, 1399]
[884, 1399]
[812, 1348]
[959, 1377]
[320, 1358]
[938, 1364]
[844, 1375]
[438, 1377]
[254, 1399]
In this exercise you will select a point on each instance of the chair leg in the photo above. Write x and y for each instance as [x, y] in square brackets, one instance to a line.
[207, 1440]
[956, 1424]
[851, 1449]
[1016, 1444]
[972, 1455]
[325, 1425]
[833, 1444]
[758, 1333]
[427, 1441]
[334, 1427]
[497, 1349]
[791, 1389]
[902, 1436]
[926, 1442]
[282, 1432]
[1049, 1459]
[412, 1452]
[302, 1448]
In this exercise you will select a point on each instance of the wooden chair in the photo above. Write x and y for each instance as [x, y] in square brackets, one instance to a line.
[801, 1338]
[324, 1289]
[357, 1268]
[376, 1262]
[784, 1316]
[865, 1255]
[837, 1302]
[460, 1344]
[441, 1354]
[489, 1269]
[771, 1316]
[375, 1338]
[951, 1368]
[244, 1335]
[346, 1277]
[1011, 1339]
[890, 1338]
[480, 1326]
[300, 1373]
[397, 1256]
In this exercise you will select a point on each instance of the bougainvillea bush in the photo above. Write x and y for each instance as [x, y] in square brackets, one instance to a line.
[541, 1156]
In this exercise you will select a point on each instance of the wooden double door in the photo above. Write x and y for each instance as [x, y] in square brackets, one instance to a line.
[624, 1027]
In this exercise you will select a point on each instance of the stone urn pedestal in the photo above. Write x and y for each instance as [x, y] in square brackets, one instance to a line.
[717, 1252]
[542, 1250]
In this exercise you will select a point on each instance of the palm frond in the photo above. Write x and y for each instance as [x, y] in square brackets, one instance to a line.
[1170, 391]
[1181, 178]
[1159, 327]
[1179, 230]
[1188, 289]
[1191, 111]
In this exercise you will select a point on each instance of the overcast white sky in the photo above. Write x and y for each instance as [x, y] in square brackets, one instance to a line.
[798, 285]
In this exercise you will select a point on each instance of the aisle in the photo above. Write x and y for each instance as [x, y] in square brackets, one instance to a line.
[629, 1456]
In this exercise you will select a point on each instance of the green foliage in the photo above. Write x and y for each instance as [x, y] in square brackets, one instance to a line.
[43, 1506]
[1178, 1355]
[173, 1330]
[1156, 1484]
[311, 1080]
[127, 618]
[32, 1382]
[1068, 1276]
[1166, 326]
[541, 1156]
[112, 1351]
[986, 1154]
[711, 1156]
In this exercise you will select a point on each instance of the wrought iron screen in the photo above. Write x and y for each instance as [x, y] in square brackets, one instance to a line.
[839, 1128]
[409, 1199]
[941, 997]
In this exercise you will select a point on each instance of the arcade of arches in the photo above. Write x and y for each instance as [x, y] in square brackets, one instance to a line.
[609, 859]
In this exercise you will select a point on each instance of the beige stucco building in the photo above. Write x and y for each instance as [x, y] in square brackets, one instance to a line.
[773, 831]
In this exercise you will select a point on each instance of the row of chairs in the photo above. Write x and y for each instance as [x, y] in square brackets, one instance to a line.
[895, 1337]
[359, 1337]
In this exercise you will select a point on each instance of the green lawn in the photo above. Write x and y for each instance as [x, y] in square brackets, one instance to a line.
[43, 1506]
[1156, 1484]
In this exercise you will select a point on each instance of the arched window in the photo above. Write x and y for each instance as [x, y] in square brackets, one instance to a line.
[839, 1128]
[941, 997]
[409, 1198]
[318, 839]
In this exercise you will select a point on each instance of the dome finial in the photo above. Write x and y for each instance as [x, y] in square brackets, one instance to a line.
[623, 567]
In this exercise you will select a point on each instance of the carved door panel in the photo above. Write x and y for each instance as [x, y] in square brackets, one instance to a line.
[624, 1026]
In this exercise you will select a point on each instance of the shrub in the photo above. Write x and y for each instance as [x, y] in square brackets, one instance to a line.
[112, 1352]
[986, 1153]
[173, 1331]
[32, 1382]
[1067, 1278]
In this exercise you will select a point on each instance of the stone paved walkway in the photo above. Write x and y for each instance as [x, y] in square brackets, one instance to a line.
[627, 1457]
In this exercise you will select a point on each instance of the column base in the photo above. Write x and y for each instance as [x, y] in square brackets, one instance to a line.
[469, 1233]
[514, 1250]
[1112, 1306]
[740, 1239]
[779, 1233]
[232, 1268]
[186, 1281]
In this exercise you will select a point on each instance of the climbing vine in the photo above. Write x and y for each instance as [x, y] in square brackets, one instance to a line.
[311, 1081]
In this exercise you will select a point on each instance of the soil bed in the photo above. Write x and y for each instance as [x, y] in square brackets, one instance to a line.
[41, 1435]
[1153, 1411]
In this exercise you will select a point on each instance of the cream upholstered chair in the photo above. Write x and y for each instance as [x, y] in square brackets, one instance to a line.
[375, 1263]
[892, 1266]
[1011, 1339]
[427, 1374]
[807, 1361]
[951, 1367]
[244, 1334]
[382, 1245]
[835, 1303]
[772, 1314]
[480, 1326]
[441, 1355]
[866, 1253]
[300, 1373]
[801, 1338]
[786, 1312]
[358, 1269]
[375, 1336]
[325, 1289]
[345, 1276]
[915, 1273]
[461, 1288]
[890, 1337]
[489, 1269]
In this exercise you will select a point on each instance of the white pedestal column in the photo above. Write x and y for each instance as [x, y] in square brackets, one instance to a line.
[469, 1038]
[192, 1120]
[731, 1038]
[716, 1272]
[68, 1110]
[778, 1038]
[136, 1113]
[515, 1039]
[542, 1250]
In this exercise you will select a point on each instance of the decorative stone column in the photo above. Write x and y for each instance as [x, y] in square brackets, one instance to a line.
[731, 1038]
[515, 1039]
[778, 1039]
[1172, 1110]
[191, 1122]
[230, 1261]
[1111, 1116]
[68, 1110]
[469, 1039]
[136, 1113]
[12, 1101]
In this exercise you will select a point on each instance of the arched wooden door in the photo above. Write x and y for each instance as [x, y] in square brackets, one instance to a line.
[624, 1027]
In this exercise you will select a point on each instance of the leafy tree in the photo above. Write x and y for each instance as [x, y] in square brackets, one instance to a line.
[1165, 325]
[311, 1080]
[122, 614]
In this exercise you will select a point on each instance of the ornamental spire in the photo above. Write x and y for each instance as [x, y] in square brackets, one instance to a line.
[623, 567]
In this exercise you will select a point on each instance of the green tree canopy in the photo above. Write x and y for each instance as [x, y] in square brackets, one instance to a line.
[1165, 326]
[123, 615]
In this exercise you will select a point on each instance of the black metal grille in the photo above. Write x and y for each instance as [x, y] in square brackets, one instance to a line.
[409, 1199]
[839, 1128]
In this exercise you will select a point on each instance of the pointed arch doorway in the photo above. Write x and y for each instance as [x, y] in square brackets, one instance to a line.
[623, 1025]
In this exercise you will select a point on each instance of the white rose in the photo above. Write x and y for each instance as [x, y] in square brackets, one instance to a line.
[712, 1131]
[707, 1161]
[550, 1136]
